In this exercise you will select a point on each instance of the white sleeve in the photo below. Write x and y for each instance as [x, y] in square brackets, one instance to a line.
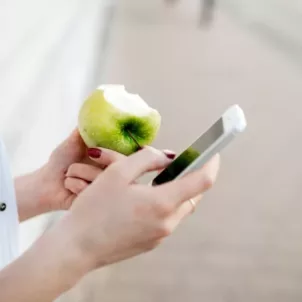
[9, 223]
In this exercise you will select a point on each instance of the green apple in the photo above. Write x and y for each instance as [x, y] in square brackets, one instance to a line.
[114, 119]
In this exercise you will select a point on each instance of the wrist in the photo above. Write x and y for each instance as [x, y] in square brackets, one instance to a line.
[67, 235]
[63, 260]
[29, 195]
[50, 267]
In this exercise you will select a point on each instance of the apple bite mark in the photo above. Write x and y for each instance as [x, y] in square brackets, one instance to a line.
[112, 118]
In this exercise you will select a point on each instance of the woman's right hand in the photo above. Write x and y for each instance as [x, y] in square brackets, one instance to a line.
[113, 219]
[129, 218]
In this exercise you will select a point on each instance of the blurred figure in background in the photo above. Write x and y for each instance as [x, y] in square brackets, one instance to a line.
[206, 12]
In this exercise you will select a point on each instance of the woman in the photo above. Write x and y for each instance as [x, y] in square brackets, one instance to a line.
[110, 217]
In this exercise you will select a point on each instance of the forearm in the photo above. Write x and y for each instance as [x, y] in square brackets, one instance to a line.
[27, 194]
[51, 267]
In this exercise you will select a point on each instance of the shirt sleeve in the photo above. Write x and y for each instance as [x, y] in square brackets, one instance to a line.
[9, 224]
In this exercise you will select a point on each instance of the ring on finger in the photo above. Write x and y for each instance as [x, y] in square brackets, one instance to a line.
[193, 204]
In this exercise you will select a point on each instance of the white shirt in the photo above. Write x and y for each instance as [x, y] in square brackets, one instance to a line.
[8, 213]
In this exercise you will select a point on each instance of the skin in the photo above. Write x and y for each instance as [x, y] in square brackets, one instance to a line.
[47, 189]
[110, 217]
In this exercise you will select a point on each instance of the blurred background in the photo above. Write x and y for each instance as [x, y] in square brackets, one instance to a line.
[190, 59]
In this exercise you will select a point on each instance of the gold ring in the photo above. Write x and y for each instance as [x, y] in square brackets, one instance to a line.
[193, 204]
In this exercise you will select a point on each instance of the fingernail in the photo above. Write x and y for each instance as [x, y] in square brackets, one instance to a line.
[94, 153]
[170, 154]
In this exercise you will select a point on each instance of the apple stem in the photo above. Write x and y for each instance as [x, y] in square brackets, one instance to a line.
[134, 139]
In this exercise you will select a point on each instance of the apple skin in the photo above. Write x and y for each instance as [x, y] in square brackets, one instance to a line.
[102, 125]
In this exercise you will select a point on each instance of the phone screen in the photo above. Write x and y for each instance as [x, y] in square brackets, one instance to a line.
[191, 154]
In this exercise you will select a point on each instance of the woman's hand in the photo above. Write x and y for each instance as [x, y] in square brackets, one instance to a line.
[130, 218]
[80, 175]
[47, 189]
[112, 220]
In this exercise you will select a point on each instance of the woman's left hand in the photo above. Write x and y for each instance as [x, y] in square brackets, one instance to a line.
[71, 169]
[80, 174]
[68, 171]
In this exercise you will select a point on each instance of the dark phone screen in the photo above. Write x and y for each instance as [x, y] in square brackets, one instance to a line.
[191, 154]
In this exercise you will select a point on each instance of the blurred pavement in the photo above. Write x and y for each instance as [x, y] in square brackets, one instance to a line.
[244, 242]
[278, 22]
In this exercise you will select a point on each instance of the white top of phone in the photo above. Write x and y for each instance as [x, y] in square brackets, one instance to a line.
[219, 135]
[234, 119]
[211, 142]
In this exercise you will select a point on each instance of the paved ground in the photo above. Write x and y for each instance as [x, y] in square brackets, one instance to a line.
[278, 22]
[244, 243]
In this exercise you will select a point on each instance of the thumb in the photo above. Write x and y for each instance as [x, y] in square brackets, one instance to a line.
[70, 150]
[146, 160]
[104, 157]
[73, 140]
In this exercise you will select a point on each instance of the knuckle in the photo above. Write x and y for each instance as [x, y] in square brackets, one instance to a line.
[155, 156]
[79, 186]
[208, 181]
[149, 151]
[96, 173]
[92, 172]
[82, 185]
[67, 182]
[162, 208]
[114, 171]
[153, 244]
[163, 230]
[71, 169]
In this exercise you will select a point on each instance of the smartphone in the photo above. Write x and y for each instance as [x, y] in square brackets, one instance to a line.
[222, 132]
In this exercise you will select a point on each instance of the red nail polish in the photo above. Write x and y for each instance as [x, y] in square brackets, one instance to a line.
[94, 153]
[170, 155]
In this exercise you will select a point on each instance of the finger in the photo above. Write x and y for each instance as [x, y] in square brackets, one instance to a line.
[191, 185]
[183, 211]
[75, 185]
[145, 160]
[187, 208]
[83, 171]
[70, 150]
[104, 157]
[74, 139]
[170, 154]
